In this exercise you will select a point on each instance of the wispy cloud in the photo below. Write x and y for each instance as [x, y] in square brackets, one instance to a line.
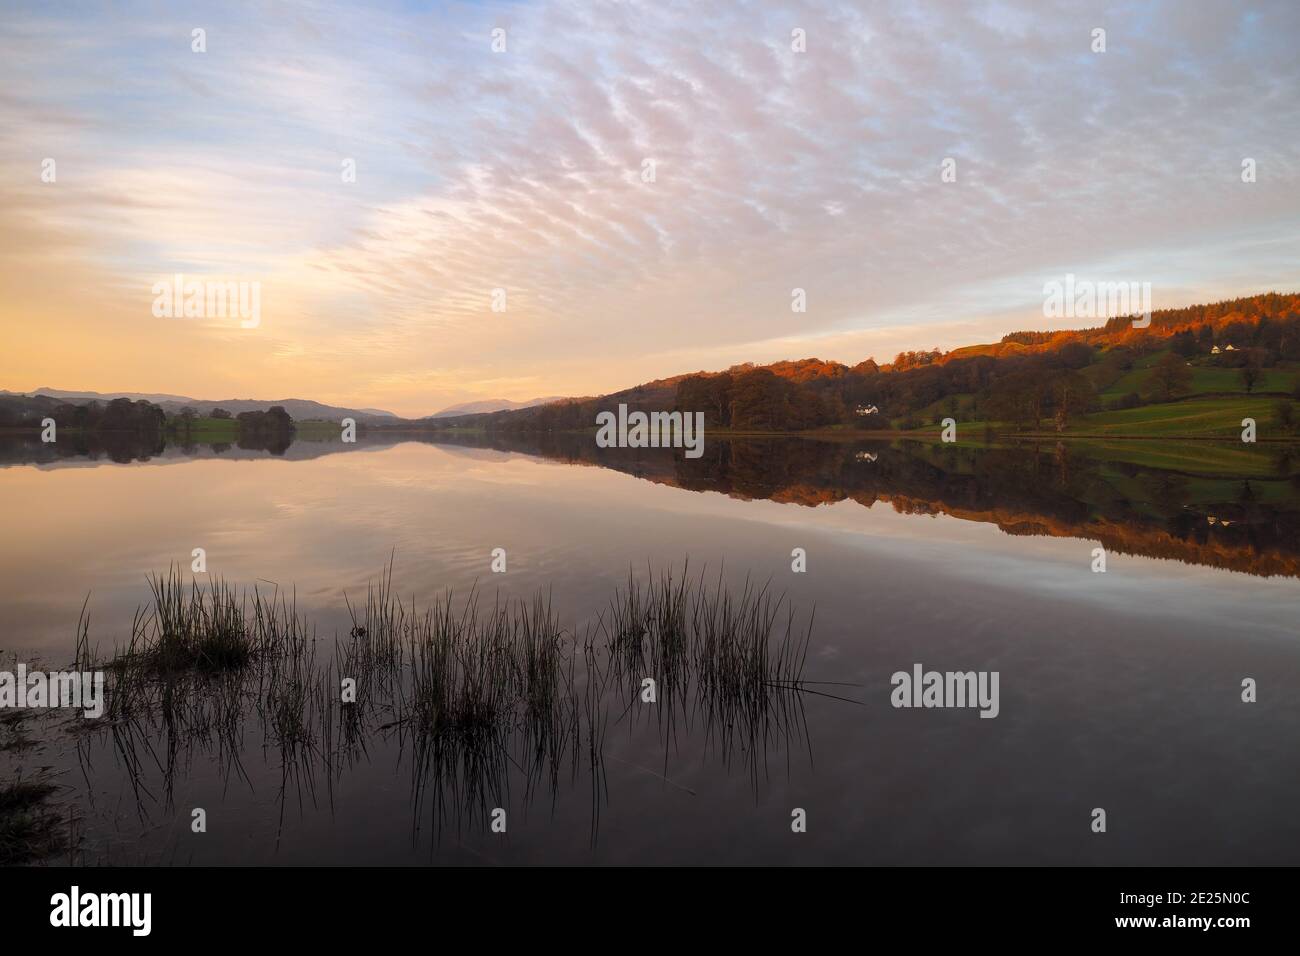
[523, 171]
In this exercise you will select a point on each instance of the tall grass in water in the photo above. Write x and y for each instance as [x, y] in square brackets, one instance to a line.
[189, 627]
[487, 690]
[684, 631]
[478, 695]
[375, 653]
[732, 661]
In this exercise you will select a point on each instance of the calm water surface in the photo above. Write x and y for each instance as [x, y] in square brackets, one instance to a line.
[1118, 690]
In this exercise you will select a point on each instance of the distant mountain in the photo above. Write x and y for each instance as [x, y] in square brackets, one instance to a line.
[300, 409]
[492, 405]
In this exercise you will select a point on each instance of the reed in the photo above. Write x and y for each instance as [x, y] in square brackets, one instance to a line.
[190, 628]
[480, 695]
[729, 661]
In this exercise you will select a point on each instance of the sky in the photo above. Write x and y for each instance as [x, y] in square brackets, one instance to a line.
[625, 191]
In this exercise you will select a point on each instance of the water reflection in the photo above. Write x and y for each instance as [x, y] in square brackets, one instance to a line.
[126, 447]
[1115, 686]
[1200, 503]
[470, 699]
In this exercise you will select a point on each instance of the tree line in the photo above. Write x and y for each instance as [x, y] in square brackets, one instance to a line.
[135, 417]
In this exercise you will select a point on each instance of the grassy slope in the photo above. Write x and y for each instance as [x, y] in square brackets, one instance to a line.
[1206, 379]
[1214, 407]
[1189, 418]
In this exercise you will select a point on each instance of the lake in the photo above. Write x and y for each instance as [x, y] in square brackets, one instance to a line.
[1120, 690]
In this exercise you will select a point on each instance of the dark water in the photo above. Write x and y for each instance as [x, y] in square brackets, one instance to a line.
[1119, 690]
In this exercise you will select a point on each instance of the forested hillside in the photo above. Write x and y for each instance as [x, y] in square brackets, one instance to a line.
[1244, 350]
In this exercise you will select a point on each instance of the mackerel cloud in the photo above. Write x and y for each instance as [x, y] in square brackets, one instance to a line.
[522, 171]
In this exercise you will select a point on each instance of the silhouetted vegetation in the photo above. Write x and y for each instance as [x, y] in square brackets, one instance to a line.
[272, 429]
[125, 429]
[474, 693]
[195, 628]
[118, 415]
[273, 421]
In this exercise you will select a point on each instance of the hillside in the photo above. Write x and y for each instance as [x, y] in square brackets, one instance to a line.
[1194, 372]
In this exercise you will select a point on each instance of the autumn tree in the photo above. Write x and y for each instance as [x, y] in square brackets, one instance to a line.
[1071, 394]
[1170, 377]
[1019, 397]
[710, 394]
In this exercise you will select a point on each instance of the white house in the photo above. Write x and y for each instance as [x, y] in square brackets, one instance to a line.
[867, 410]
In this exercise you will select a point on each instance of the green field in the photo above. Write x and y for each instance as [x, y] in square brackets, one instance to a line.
[1195, 418]
[206, 429]
[1206, 379]
[216, 430]
[1190, 418]
[1216, 403]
